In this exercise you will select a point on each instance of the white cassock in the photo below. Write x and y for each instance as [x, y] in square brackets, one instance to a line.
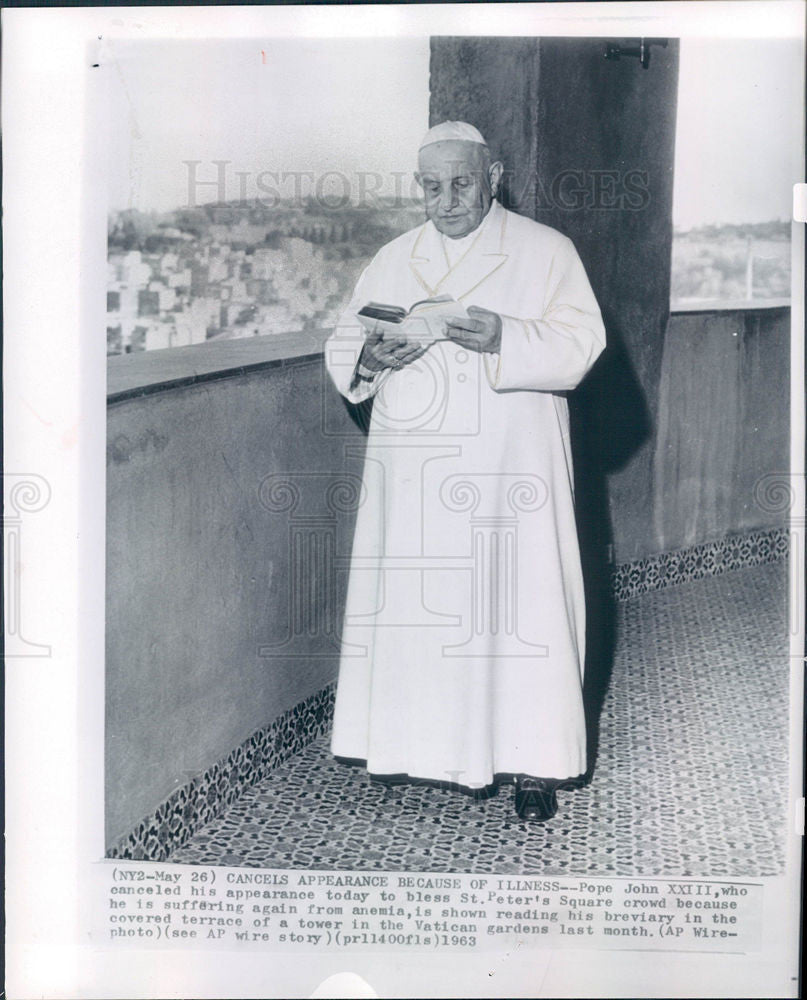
[463, 641]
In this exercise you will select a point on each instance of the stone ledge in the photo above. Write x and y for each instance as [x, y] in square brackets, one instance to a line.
[729, 306]
[147, 372]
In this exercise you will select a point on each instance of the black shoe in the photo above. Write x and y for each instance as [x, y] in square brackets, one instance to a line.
[536, 799]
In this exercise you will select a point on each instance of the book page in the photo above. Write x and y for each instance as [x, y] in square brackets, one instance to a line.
[426, 322]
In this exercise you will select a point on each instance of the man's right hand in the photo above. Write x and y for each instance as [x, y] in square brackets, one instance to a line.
[382, 351]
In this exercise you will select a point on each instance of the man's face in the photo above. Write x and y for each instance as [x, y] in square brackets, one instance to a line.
[457, 182]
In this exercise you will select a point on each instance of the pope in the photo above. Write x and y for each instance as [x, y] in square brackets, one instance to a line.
[464, 636]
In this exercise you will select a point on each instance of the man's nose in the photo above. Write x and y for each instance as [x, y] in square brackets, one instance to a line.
[448, 198]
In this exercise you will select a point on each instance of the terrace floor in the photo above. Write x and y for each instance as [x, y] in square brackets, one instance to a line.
[690, 779]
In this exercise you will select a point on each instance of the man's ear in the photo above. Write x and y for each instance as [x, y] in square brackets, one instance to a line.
[495, 171]
[416, 175]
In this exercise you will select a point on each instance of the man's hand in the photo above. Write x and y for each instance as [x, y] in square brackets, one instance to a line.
[382, 351]
[482, 331]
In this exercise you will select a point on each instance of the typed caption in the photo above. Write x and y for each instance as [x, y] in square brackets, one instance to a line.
[171, 905]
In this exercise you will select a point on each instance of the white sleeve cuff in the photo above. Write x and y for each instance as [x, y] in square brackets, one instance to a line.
[368, 374]
[493, 367]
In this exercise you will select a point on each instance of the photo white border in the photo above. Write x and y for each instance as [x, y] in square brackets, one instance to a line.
[55, 377]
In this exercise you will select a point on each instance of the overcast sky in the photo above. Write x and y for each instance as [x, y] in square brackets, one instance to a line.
[283, 105]
[296, 105]
[740, 131]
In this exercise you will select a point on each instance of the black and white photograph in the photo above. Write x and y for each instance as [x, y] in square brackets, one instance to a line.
[448, 540]
[366, 573]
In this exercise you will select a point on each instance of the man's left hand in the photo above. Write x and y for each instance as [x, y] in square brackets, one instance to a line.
[482, 331]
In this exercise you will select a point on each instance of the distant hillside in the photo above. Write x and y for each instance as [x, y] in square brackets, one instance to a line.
[741, 262]
[361, 229]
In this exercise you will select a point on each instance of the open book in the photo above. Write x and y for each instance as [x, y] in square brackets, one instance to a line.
[424, 323]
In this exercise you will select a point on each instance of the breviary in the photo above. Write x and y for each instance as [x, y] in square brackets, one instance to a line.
[424, 323]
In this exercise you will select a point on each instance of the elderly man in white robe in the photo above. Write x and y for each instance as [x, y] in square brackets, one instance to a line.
[463, 641]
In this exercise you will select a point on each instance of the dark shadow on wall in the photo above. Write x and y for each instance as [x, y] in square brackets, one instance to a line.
[610, 421]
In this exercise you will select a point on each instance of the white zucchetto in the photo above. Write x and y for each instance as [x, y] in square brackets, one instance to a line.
[452, 131]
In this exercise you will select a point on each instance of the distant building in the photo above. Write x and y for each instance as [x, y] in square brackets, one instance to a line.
[245, 272]
[148, 303]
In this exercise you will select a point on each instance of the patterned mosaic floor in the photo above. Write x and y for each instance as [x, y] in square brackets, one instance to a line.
[690, 777]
